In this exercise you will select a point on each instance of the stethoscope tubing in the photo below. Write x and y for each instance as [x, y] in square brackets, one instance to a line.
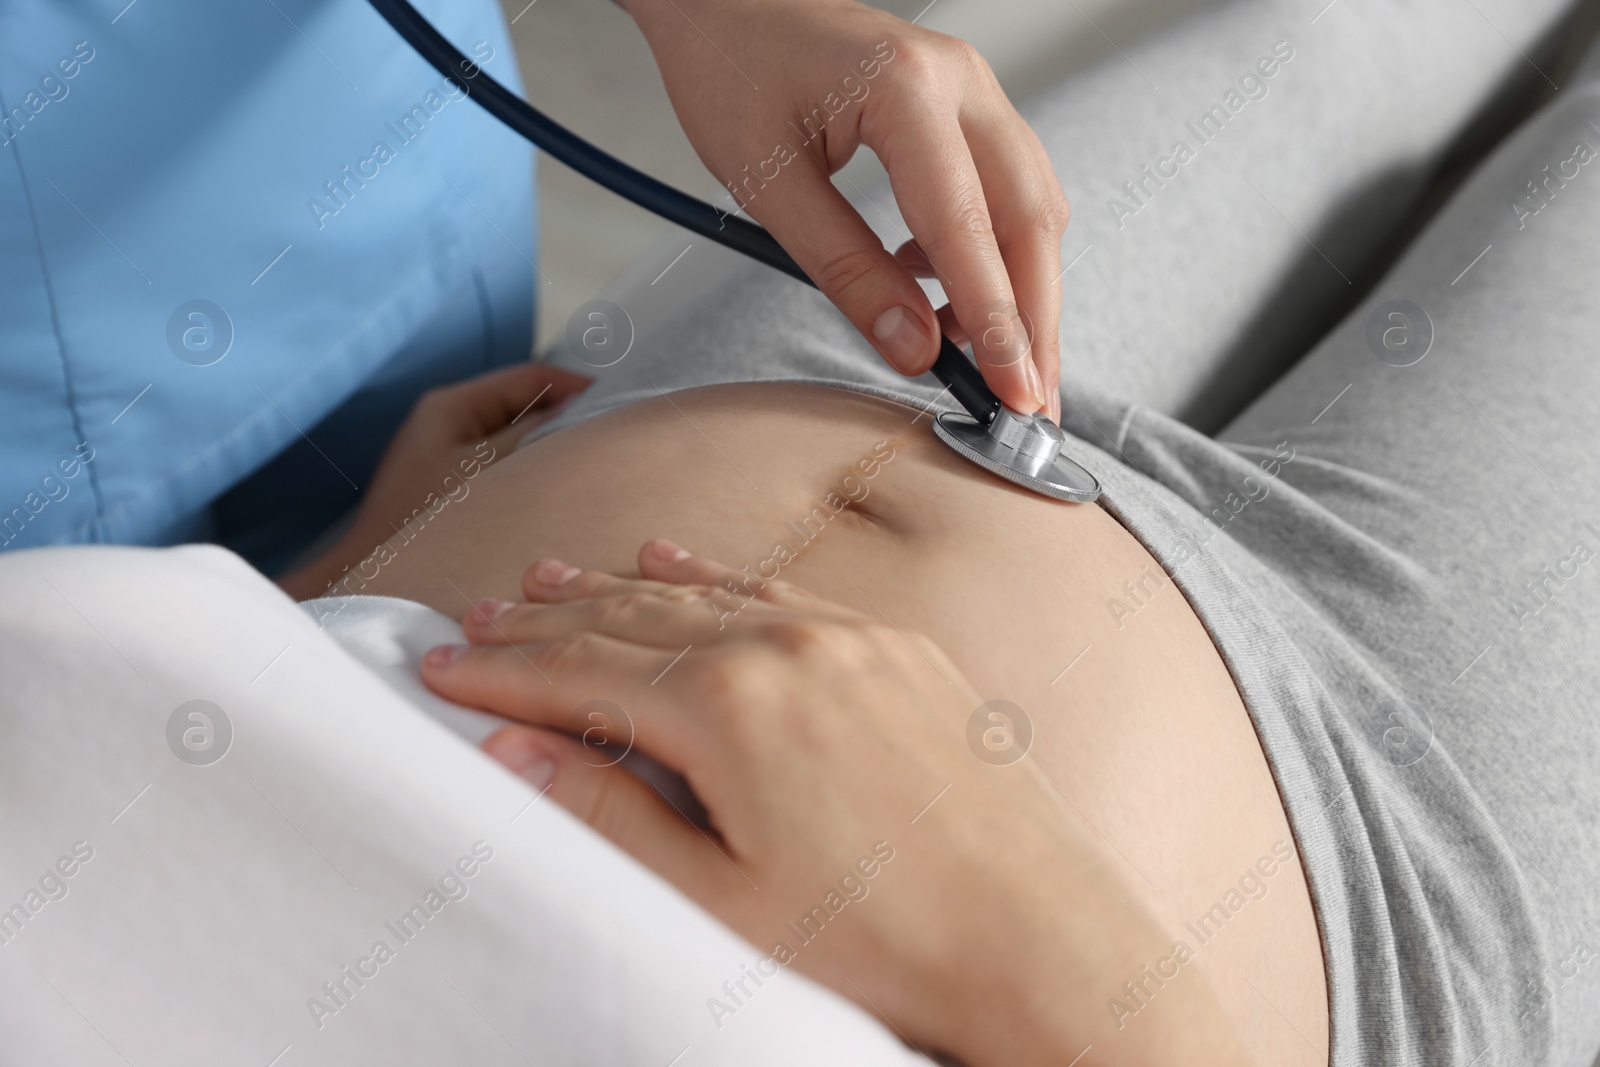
[952, 367]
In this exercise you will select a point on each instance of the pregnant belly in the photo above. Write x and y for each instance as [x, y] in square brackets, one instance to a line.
[1052, 607]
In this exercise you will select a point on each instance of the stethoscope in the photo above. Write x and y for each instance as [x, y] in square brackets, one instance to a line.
[1024, 449]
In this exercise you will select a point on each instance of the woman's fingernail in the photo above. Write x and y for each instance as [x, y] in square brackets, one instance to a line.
[902, 338]
[490, 608]
[530, 764]
[443, 655]
[554, 572]
[538, 773]
[667, 552]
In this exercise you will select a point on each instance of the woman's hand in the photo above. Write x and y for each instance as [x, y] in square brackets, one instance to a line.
[451, 431]
[776, 95]
[853, 833]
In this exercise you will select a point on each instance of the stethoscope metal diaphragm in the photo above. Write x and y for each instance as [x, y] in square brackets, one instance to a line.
[1023, 449]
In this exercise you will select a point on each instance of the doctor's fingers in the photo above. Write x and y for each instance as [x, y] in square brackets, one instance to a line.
[918, 135]
[838, 250]
[618, 805]
[1030, 215]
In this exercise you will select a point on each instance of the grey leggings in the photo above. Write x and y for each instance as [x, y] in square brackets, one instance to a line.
[1434, 551]
[1410, 606]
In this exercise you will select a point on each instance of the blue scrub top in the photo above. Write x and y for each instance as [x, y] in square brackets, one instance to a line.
[225, 222]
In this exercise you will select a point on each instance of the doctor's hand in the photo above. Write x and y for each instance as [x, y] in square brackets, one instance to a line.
[776, 95]
[853, 834]
[452, 432]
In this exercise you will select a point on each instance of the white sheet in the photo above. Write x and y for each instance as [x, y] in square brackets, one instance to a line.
[216, 900]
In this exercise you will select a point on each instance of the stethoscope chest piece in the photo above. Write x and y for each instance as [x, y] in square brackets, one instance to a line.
[1024, 449]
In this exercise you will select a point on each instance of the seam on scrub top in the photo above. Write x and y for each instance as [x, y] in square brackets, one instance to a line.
[55, 327]
[486, 310]
[261, 413]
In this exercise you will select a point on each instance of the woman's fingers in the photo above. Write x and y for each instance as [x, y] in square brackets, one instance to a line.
[505, 440]
[488, 403]
[554, 581]
[682, 600]
[663, 566]
[616, 803]
[665, 561]
[596, 688]
[671, 618]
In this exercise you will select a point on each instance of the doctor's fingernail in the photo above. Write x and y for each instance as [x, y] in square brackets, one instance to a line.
[902, 338]
[443, 655]
[667, 552]
[554, 572]
[490, 608]
[1035, 386]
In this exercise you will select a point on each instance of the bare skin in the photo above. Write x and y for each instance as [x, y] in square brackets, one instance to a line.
[1138, 727]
